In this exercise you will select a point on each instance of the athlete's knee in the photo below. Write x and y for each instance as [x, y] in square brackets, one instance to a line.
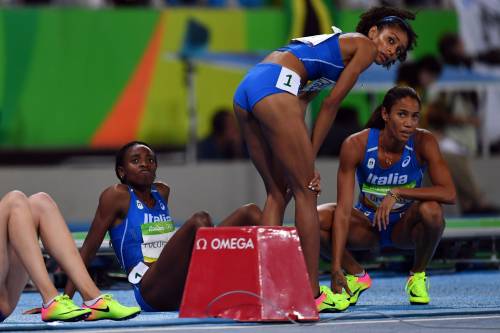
[41, 202]
[14, 198]
[432, 214]
[276, 198]
[201, 219]
[5, 308]
[41, 199]
[252, 213]
[14, 201]
[303, 193]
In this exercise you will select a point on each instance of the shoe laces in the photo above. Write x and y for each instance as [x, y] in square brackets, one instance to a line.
[65, 301]
[351, 278]
[108, 298]
[418, 283]
[325, 290]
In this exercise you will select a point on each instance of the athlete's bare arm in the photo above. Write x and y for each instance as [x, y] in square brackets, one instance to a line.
[351, 155]
[360, 52]
[113, 205]
[442, 189]
[164, 190]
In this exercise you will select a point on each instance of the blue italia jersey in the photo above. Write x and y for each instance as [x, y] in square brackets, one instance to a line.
[321, 58]
[144, 231]
[374, 181]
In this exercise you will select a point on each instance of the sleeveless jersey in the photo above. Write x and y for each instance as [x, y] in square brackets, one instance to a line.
[321, 58]
[374, 181]
[144, 231]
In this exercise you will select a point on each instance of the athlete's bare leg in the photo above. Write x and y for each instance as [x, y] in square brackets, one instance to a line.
[267, 166]
[19, 239]
[361, 235]
[280, 117]
[163, 284]
[13, 276]
[57, 240]
[421, 229]
[247, 215]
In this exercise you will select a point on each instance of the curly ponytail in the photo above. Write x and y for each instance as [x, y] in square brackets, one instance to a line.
[389, 16]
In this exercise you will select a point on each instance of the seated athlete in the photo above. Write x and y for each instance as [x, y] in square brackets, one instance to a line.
[135, 212]
[389, 159]
[22, 221]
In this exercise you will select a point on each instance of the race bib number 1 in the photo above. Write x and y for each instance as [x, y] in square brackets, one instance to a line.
[288, 81]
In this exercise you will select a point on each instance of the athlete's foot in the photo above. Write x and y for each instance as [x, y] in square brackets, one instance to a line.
[108, 308]
[62, 308]
[416, 288]
[327, 301]
[357, 285]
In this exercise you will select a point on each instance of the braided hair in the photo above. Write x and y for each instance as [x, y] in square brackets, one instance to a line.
[389, 16]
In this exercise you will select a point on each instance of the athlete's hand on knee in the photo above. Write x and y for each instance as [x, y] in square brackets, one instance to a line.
[382, 217]
[378, 221]
[315, 183]
[383, 211]
[338, 282]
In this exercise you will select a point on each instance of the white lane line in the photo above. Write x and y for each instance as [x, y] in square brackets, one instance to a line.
[333, 322]
[401, 320]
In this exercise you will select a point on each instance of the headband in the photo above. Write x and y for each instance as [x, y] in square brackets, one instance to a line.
[395, 19]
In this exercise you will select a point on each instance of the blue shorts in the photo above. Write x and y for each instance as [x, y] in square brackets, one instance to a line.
[385, 239]
[142, 303]
[264, 80]
[2, 317]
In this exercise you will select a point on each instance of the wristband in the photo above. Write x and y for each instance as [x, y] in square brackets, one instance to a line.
[395, 196]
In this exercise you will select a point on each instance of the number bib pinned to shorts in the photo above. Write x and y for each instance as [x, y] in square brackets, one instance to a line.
[289, 81]
[137, 273]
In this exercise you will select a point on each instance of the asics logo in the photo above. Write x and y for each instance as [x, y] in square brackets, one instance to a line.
[406, 161]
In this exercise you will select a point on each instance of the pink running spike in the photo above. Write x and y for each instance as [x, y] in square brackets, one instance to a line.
[320, 299]
[366, 280]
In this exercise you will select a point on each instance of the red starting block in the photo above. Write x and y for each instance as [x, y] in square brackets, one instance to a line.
[248, 274]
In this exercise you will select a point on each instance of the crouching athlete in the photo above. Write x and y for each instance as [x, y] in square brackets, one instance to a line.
[389, 159]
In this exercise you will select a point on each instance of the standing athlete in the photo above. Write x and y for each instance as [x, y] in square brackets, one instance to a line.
[270, 104]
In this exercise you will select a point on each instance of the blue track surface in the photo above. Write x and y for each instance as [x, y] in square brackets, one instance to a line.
[454, 294]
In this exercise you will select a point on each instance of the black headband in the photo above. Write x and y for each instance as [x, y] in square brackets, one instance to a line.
[395, 19]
